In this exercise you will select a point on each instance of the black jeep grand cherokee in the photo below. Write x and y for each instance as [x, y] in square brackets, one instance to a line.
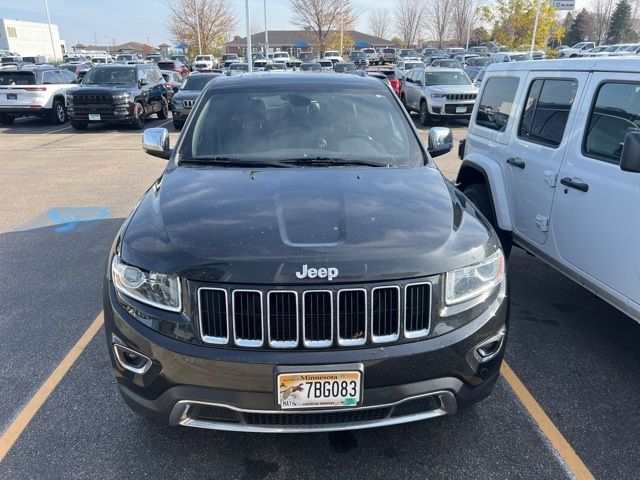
[124, 94]
[302, 265]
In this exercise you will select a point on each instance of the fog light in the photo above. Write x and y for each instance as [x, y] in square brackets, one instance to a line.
[130, 359]
[490, 348]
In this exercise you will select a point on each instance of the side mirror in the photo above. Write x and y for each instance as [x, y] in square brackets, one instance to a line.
[176, 88]
[143, 81]
[418, 82]
[440, 141]
[155, 142]
[630, 159]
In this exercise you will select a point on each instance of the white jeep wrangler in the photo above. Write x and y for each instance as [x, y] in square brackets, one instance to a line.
[552, 159]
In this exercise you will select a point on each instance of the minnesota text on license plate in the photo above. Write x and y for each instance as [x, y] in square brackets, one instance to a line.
[319, 389]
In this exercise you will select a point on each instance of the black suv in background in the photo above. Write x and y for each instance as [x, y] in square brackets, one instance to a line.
[124, 94]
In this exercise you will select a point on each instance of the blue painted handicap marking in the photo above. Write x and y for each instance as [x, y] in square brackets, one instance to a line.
[66, 218]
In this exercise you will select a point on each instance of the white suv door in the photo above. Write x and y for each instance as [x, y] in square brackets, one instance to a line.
[596, 224]
[537, 148]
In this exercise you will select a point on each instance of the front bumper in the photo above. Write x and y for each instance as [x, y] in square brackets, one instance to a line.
[441, 107]
[108, 113]
[234, 389]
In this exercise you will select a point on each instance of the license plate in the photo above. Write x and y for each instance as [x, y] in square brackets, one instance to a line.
[461, 109]
[319, 389]
[12, 96]
[94, 116]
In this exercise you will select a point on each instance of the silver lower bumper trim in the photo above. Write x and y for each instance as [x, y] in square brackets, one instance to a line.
[180, 416]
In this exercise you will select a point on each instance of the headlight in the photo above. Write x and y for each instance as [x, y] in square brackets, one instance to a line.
[469, 282]
[438, 95]
[155, 289]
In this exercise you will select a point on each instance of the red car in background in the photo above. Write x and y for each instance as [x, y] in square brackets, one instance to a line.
[391, 76]
[175, 65]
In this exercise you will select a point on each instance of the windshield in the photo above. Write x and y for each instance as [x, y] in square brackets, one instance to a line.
[358, 54]
[519, 57]
[411, 65]
[17, 78]
[579, 45]
[326, 63]
[408, 53]
[389, 50]
[281, 55]
[446, 78]
[631, 48]
[99, 60]
[448, 63]
[110, 75]
[203, 58]
[124, 57]
[275, 66]
[229, 56]
[305, 123]
[480, 61]
[344, 67]
[196, 82]
[239, 66]
[308, 67]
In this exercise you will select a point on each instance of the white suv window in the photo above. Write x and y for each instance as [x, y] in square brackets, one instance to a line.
[547, 111]
[496, 104]
[615, 112]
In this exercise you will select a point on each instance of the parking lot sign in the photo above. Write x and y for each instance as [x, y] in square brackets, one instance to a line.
[564, 4]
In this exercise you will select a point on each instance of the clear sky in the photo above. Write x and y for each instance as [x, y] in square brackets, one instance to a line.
[136, 20]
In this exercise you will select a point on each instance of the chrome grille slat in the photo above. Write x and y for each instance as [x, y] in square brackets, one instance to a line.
[188, 103]
[282, 319]
[317, 312]
[385, 314]
[214, 315]
[352, 317]
[247, 318]
[417, 309]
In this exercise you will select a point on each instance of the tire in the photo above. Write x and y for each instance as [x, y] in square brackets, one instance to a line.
[425, 118]
[177, 124]
[478, 194]
[403, 100]
[6, 119]
[79, 125]
[163, 113]
[58, 113]
[138, 117]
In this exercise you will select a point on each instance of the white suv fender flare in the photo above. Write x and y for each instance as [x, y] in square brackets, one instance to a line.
[477, 164]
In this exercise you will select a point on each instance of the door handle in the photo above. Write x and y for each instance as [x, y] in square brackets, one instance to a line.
[569, 182]
[516, 162]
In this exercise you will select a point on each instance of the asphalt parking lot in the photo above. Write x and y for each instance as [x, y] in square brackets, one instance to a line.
[63, 196]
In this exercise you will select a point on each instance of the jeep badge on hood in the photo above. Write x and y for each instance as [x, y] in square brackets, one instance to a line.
[329, 273]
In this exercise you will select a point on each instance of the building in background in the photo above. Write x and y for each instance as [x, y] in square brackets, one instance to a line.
[30, 39]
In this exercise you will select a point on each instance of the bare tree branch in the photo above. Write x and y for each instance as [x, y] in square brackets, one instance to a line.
[379, 23]
[408, 19]
[602, 11]
[438, 16]
[322, 18]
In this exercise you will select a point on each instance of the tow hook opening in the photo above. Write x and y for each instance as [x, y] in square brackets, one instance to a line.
[489, 348]
[130, 359]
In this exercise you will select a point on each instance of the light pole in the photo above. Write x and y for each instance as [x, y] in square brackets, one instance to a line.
[53, 45]
[472, 13]
[198, 28]
[535, 27]
[249, 55]
[341, 28]
[266, 32]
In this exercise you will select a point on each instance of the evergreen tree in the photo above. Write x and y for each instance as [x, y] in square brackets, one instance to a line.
[621, 27]
[580, 28]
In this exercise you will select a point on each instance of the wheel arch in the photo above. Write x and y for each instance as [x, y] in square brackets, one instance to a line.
[480, 169]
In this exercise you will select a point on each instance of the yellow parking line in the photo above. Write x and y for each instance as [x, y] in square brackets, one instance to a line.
[548, 428]
[58, 130]
[11, 435]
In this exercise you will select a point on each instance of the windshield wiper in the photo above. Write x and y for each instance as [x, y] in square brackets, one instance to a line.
[332, 161]
[233, 162]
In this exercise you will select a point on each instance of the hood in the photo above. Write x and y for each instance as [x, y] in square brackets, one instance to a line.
[453, 89]
[260, 227]
[186, 94]
[100, 88]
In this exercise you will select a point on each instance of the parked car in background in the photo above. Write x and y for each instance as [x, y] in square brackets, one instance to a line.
[373, 57]
[480, 50]
[430, 58]
[11, 59]
[186, 95]
[344, 67]
[281, 56]
[119, 94]
[326, 64]
[175, 65]
[293, 64]
[594, 52]
[511, 56]
[37, 91]
[204, 62]
[101, 60]
[275, 67]
[403, 66]
[552, 159]
[36, 60]
[78, 67]
[429, 52]
[260, 65]
[628, 49]
[333, 55]
[408, 54]
[479, 77]
[229, 58]
[576, 49]
[388, 55]
[153, 57]
[311, 67]
[127, 57]
[477, 65]
[172, 80]
[538, 55]
[182, 58]
[237, 68]
[453, 51]
[438, 93]
[463, 57]
[305, 57]
[359, 59]
[446, 63]
[390, 75]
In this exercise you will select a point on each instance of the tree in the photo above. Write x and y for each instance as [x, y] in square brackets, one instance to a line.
[463, 12]
[217, 22]
[408, 19]
[514, 20]
[438, 15]
[621, 27]
[322, 18]
[480, 36]
[379, 22]
[581, 28]
[602, 10]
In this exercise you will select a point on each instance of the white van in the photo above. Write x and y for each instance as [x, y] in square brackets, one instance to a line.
[552, 159]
